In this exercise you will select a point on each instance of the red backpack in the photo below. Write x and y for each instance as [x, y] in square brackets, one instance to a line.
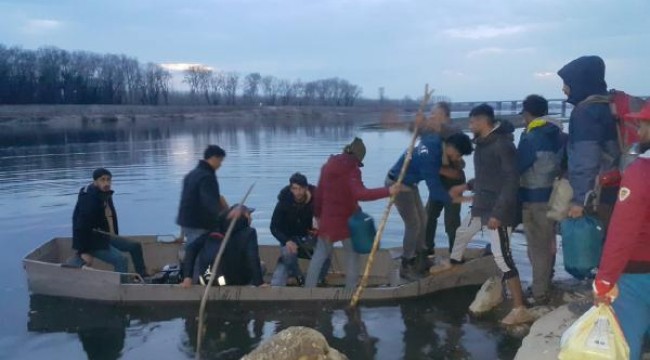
[622, 104]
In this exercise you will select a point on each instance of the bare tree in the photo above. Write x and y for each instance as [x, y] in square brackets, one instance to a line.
[231, 83]
[270, 88]
[251, 87]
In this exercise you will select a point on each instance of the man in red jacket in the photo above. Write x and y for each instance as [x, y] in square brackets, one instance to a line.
[624, 273]
[337, 195]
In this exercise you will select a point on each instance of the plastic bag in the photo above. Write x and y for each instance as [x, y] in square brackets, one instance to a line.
[582, 246]
[560, 200]
[362, 232]
[595, 335]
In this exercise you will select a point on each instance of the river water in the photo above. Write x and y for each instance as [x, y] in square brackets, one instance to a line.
[41, 172]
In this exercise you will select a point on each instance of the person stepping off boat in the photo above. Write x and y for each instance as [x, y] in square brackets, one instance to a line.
[494, 208]
[425, 165]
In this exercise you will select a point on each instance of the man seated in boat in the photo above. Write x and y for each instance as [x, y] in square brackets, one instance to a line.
[240, 262]
[292, 226]
[94, 228]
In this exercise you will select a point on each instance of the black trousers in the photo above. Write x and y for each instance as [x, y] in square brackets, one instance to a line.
[452, 216]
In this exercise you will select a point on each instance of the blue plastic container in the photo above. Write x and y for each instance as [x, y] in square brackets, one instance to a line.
[582, 245]
[362, 232]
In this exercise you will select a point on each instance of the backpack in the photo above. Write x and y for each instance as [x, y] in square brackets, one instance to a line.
[622, 104]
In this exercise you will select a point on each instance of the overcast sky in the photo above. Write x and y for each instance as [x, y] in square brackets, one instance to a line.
[465, 49]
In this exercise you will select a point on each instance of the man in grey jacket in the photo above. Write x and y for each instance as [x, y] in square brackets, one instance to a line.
[494, 206]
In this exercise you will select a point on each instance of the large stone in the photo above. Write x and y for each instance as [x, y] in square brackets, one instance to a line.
[489, 296]
[295, 343]
[543, 341]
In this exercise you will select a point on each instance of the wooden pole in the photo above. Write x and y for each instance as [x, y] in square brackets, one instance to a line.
[419, 118]
[215, 266]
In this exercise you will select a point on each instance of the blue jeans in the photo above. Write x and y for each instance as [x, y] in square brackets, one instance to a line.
[192, 234]
[632, 307]
[323, 251]
[114, 257]
[288, 266]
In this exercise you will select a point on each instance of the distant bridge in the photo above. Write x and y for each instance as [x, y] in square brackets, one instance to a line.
[556, 106]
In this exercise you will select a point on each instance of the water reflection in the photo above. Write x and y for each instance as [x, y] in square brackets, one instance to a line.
[436, 327]
[39, 180]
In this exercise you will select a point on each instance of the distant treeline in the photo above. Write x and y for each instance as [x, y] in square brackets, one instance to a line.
[53, 76]
[217, 88]
[50, 75]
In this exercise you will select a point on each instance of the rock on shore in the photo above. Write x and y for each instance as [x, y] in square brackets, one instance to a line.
[295, 343]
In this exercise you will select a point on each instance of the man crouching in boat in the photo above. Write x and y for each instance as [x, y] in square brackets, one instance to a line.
[337, 194]
[95, 211]
[291, 225]
[240, 262]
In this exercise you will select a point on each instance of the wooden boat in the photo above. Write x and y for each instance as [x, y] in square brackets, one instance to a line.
[47, 275]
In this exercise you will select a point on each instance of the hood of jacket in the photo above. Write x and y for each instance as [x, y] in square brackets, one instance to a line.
[93, 190]
[542, 122]
[503, 128]
[585, 76]
[286, 197]
[342, 164]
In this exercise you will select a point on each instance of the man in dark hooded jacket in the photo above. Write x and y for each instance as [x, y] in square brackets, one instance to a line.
[291, 225]
[593, 148]
[494, 206]
[95, 211]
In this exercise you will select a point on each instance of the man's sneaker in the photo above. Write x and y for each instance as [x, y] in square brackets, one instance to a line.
[408, 271]
[300, 280]
[423, 263]
[440, 265]
[517, 316]
[456, 262]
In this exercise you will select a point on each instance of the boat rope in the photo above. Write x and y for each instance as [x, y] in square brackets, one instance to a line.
[419, 119]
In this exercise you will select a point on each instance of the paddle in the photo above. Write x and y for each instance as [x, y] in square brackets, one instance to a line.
[215, 266]
[419, 118]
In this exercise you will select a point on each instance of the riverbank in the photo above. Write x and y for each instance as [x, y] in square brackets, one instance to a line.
[62, 116]
[543, 340]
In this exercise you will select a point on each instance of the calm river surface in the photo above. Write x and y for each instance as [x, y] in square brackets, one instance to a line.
[39, 180]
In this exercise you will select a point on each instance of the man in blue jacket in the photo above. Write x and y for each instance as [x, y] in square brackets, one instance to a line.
[539, 156]
[593, 148]
[425, 165]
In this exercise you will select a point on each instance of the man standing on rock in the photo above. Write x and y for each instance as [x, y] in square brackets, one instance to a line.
[495, 201]
[593, 149]
[625, 266]
[539, 156]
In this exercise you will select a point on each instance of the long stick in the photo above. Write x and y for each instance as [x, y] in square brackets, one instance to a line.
[215, 266]
[380, 231]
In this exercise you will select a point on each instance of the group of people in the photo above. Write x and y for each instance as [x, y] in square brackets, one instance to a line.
[512, 184]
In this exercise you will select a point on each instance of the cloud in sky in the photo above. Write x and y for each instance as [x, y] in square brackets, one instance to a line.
[41, 26]
[485, 31]
[183, 66]
[467, 50]
[498, 51]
